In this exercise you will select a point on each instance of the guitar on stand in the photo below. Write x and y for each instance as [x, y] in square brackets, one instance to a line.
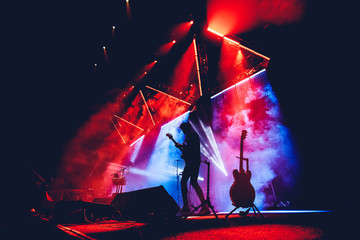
[242, 193]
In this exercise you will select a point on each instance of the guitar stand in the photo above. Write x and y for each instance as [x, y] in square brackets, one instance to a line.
[245, 213]
[207, 200]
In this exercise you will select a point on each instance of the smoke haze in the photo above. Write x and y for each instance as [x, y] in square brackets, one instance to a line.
[239, 16]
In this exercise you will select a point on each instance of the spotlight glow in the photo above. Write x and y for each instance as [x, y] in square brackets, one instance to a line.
[165, 48]
[105, 53]
[128, 10]
[154, 175]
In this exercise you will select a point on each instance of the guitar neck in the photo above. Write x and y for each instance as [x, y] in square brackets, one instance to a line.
[241, 155]
[175, 142]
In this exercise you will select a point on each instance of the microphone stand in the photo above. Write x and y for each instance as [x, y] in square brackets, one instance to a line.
[178, 180]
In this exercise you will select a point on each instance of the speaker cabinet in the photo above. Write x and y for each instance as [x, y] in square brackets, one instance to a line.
[146, 204]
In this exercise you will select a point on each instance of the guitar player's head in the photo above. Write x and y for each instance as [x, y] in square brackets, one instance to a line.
[185, 127]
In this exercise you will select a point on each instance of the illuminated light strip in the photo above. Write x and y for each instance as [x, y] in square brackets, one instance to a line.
[241, 81]
[175, 119]
[246, 48]
[128, 122]
[295, 211]
[197, 66]
[169, 95]
[118, 131]
[242, 46]
[215, 32]
[252, 51]
[147, 107]
[230, 40]
[137, 140]
[286, 211]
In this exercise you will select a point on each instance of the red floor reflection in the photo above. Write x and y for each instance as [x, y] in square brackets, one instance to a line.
[264, 231]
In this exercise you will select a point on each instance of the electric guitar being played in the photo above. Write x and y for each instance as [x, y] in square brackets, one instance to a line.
[182, 147]
[242, 193]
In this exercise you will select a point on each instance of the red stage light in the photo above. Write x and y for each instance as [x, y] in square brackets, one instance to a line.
[174, 41]
[191, 22]
[165, 48]
[105, 53]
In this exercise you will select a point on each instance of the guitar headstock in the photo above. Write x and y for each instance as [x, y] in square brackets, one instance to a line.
[243, 134]
[169, 135]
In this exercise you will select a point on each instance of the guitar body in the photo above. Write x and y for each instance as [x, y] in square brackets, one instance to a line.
[242, 193]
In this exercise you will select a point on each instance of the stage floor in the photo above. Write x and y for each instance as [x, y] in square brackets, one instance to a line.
[274, 225]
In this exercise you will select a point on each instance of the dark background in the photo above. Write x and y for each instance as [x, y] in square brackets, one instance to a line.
[50, 88]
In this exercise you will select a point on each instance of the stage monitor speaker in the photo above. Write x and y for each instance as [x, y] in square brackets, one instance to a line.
[146, 204]
[80, 211]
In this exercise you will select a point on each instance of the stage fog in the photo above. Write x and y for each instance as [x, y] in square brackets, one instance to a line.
[129, 137]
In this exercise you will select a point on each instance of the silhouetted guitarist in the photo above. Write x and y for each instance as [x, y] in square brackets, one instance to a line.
[191, 154]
